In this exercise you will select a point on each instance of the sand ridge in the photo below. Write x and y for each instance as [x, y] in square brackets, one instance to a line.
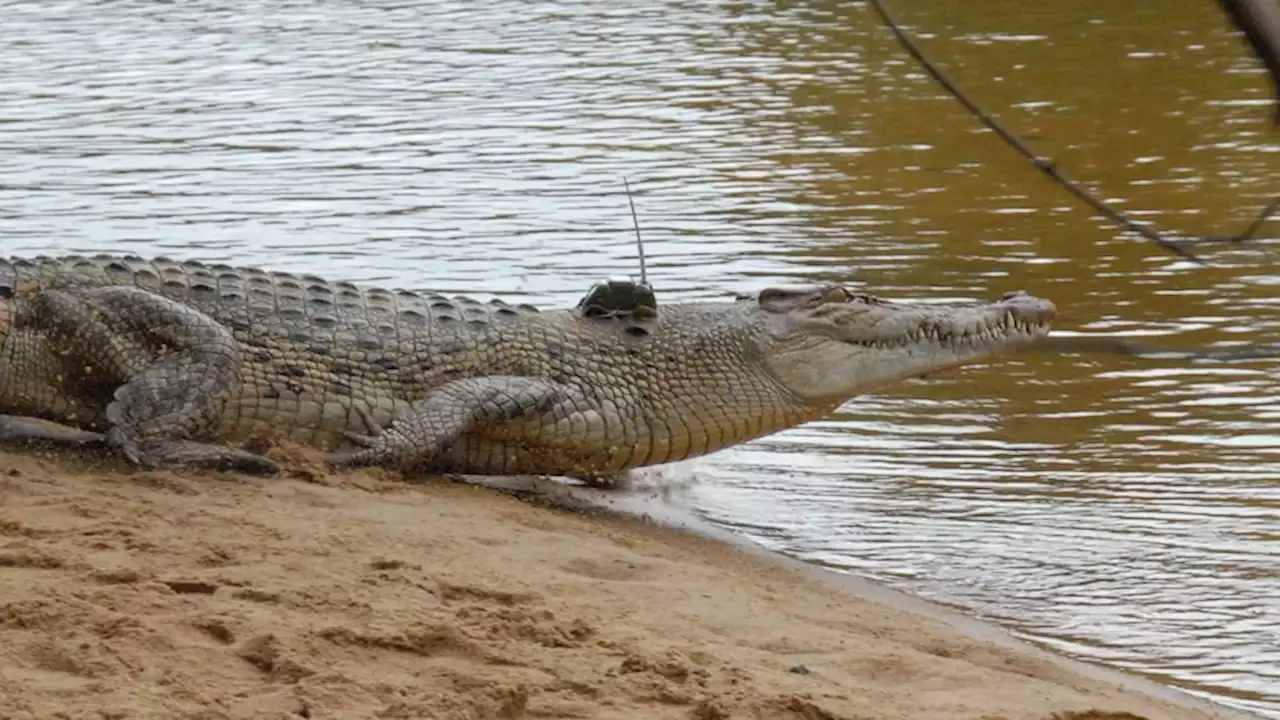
[203, 595]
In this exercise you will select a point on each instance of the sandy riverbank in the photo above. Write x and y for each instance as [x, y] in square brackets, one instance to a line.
[156, 595]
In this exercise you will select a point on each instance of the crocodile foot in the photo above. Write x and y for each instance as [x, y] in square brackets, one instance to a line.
[170, 454]
[29, 431]
[174, 365]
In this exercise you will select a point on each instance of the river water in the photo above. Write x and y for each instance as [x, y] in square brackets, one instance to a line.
[1123, 511]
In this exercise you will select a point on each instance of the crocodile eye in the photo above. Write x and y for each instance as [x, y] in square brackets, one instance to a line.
[837, 295]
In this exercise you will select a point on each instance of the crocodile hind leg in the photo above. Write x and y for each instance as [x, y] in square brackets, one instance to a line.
[448, 412]
[173, 367]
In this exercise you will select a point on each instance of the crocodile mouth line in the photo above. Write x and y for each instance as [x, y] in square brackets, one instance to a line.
[1010, 328]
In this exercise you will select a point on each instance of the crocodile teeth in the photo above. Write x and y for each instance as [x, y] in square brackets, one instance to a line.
[1007, 326]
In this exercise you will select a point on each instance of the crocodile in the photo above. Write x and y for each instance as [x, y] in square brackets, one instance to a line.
[175, 364]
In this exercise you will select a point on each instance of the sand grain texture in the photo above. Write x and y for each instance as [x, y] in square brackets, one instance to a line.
[160, 595]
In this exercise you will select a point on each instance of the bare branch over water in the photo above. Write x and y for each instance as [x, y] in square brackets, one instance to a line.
[1261, 16]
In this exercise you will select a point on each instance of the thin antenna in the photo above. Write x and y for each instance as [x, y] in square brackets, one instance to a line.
[644, 279]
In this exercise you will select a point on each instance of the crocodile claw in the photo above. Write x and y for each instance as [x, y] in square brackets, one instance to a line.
[373, 430]
[359, 439]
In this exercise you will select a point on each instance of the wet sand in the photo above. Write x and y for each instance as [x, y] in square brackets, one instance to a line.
[203, 595]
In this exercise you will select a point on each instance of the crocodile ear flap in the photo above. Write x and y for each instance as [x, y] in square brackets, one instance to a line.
[784, 299]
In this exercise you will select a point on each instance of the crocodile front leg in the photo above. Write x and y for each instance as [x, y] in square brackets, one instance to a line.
[171, 370]
[434, 423]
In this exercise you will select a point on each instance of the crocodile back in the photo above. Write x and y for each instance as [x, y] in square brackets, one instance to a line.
[246, 297]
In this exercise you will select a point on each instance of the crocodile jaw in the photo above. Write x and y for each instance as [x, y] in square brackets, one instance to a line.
[828, 360]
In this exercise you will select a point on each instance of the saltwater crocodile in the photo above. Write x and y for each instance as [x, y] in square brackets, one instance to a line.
[174, 364]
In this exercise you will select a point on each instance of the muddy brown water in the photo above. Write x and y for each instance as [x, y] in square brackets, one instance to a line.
[1122, 511]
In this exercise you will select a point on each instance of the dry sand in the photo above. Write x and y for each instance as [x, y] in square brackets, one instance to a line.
[160, 595]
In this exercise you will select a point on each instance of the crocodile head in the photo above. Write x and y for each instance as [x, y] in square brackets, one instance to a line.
[827, 343]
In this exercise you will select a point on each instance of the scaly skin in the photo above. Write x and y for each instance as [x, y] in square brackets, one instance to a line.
[178, 362]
